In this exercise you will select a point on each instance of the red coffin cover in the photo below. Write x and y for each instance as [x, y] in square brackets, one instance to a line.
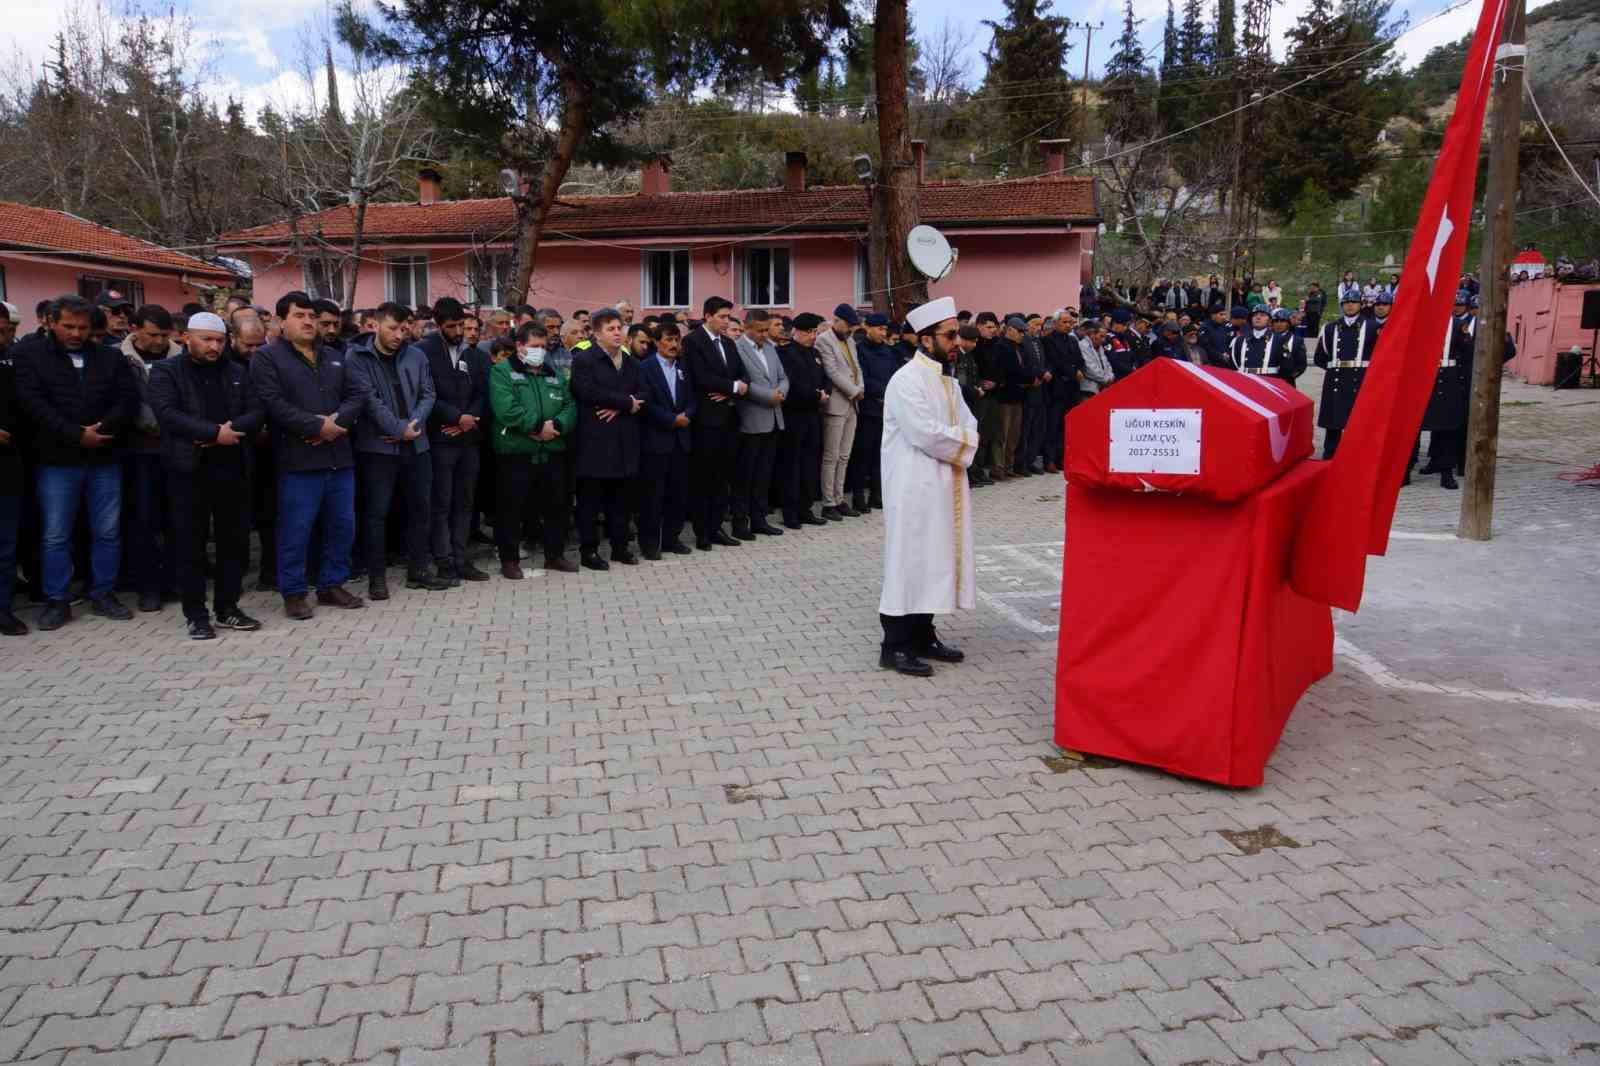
[1172, 426]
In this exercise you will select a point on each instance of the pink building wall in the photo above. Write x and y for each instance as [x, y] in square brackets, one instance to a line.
[999, 271]
[1544, 318]
[30, 279]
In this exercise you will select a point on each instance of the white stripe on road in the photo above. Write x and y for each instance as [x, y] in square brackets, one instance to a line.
[1383, 677]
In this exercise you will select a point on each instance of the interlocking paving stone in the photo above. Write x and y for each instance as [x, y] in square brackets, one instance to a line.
[538, 823]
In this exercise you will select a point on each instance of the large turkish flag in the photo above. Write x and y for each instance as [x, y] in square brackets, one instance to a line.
[1354, 504]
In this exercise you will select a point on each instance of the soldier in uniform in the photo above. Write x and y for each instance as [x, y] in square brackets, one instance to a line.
[1258, 350]
[1446, 416]
[1284, 333]
[1344, 349]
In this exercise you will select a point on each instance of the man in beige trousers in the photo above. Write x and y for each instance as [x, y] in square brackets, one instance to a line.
[838, 350]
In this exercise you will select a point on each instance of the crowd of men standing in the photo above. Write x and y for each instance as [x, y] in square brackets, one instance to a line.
[141, 448]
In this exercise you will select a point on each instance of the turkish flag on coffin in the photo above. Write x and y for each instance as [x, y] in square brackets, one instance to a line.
[1173, 426]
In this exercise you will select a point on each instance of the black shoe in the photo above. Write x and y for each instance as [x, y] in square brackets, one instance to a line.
[767, 529]
[809, 519]
[108, 606]
[939, 651]
[149, 603]
[594, 562]
[677, 547]
[378, 590]
[426, 582]
[875, 502]
[200, 629]
[340, 597]
[237, 619]
[11, 625]
[832, 514]
[448, 575]
[652, 554]
[859, 502]
[1447, 480]
[468, 572]
[719, 537]
[1430, 469]
[849, 512]
[742, 531]
[792, 525]
[703, 544]
[903, 662]
[626, 557]
[56, 614]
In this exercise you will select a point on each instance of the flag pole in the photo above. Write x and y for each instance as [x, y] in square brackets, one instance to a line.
[1500, 196]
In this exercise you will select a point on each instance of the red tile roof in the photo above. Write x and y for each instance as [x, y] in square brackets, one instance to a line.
[1055, 201]
[39, 229]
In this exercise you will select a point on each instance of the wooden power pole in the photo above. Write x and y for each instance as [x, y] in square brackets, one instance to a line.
[1500, 201]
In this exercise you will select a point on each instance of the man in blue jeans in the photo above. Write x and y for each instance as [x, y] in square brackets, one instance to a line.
[312, 405]
[80, 396]
[10, 474]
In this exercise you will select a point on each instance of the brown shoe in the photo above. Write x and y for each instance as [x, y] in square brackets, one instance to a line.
[511, 571]
[564, 565]
[297, 608]
[339, 597]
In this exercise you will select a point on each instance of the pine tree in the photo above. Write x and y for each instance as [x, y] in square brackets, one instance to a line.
[1225, 43]
[1128, 88]
[1328, 131]
[1172, 96]
[1027, 61]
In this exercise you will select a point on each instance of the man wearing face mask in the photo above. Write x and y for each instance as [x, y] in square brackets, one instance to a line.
[460, 373]
[534, 417]
[208, 413]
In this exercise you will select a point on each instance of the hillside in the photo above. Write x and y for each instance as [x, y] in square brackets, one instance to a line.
[1563, 50]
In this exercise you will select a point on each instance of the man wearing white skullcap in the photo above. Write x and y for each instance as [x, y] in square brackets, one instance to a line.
[929, 441]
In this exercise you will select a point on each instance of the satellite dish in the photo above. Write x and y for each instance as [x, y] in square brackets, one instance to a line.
[929, 252]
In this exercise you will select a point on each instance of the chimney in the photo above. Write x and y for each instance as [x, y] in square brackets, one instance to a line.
[919, 159]
[656, 179]
[794, 171]
[430, 186]
[1055, 157]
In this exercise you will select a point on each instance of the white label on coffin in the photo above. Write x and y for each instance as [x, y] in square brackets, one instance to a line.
[1155, 440]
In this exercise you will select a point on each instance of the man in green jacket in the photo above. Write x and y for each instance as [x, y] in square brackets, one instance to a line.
[534, 417]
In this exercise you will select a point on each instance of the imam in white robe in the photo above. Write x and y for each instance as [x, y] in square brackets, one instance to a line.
[929, 440]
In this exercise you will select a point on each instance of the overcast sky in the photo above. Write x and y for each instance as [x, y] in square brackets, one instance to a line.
[254, 44]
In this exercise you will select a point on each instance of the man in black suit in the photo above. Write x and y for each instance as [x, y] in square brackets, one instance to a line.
[455, 440]
[607, 390]
[800, 449]
[718, 376]
[665, 445]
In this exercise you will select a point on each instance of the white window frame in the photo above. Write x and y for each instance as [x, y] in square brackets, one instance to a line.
[412, 262]
[644, 278]
[744, 276]
[863, 272]
[499, 277]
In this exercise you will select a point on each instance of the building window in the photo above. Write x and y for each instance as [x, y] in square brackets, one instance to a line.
[408, 280]
[325, 279]
[489, 278]
[863, 275]
[666, 278]
[94, 286]
[766, 277]
[2, 281]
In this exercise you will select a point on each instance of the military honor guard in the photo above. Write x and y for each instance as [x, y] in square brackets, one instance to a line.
[1261, 350]
[1344, 350]
[1446, 416]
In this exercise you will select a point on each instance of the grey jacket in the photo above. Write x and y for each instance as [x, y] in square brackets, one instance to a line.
[1097, 370]
[146, 435]
[756, 413]
[386, 415]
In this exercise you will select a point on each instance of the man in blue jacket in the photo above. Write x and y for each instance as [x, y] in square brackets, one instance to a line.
[878, 364]
[391, 447]
[312, 405]
[664, 446]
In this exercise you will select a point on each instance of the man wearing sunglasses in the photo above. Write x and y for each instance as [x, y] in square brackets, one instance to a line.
[929, 440]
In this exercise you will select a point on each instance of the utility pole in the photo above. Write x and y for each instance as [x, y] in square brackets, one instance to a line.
[1088, 41]
[1483, 421]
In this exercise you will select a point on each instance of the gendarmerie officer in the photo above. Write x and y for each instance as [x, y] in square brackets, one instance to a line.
[1446, 416]
[1259, 350]
[1344, 350]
